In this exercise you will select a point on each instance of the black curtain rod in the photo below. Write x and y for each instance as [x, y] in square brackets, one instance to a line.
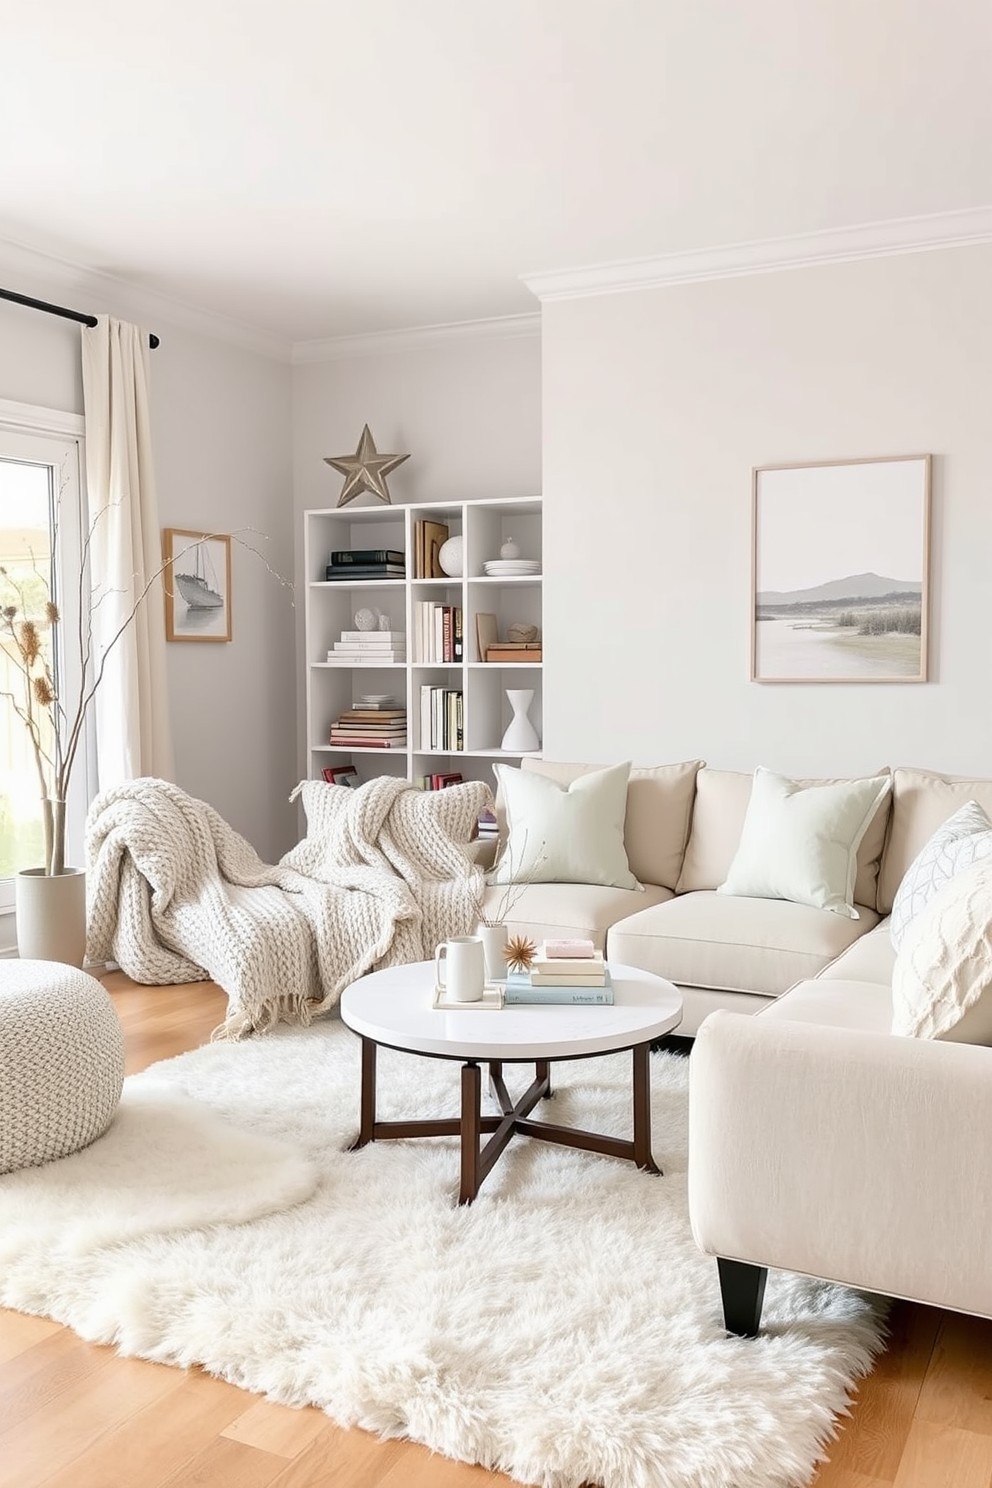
[77, 315]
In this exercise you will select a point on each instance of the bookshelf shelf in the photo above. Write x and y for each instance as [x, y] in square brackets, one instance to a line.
[332, 687]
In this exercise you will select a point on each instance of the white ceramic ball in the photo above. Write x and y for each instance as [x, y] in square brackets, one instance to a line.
[452, 558]
[366, 620]
[509, 549]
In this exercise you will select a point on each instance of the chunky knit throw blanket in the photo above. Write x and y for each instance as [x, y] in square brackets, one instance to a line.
[176, 894]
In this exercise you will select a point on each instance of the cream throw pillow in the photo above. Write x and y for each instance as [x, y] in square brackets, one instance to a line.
[564, 833]
[942, 979]
[801, 842]
[965, 838]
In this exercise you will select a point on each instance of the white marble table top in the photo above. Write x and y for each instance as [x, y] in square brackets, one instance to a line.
[394, 1007]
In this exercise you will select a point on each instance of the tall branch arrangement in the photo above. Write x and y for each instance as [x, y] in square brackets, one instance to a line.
[30, 633]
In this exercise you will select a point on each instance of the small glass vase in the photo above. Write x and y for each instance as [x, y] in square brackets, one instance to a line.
[521, 736]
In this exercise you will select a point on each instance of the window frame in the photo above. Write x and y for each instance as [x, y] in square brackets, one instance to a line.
[54, 437]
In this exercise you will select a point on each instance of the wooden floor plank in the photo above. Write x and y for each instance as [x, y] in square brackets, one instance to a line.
[80, 1417]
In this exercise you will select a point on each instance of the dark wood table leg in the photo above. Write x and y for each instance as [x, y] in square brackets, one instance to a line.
[542, 1071]
[471, 1132]
[642, 1109]
[366, 1131]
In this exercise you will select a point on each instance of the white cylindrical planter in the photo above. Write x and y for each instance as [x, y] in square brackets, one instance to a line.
[494, 938]
[51, 915]
[521, 735]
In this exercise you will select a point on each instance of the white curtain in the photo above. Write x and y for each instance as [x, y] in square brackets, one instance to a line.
[131, 704]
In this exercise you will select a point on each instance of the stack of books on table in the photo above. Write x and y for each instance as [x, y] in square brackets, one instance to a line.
[368, 648]
[370, 728]
[358, 565]
[568, 971]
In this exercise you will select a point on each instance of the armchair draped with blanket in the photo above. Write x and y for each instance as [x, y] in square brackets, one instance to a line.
[176, 894]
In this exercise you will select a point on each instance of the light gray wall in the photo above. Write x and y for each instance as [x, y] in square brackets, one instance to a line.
[222, 442]
[656, 406]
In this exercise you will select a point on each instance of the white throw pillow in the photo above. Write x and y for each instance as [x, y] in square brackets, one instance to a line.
[965, 838]
[564, 833]
[942, 979]
[801, 842]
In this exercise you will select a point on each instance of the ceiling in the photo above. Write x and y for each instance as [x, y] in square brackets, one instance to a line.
[320, 168]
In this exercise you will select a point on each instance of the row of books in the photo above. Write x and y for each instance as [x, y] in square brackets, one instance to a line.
[370, 728]
[348, 564]
[340, 775]
[437, 630]
[428, 540]
[439, 780]
[368, 647]
[442, 723]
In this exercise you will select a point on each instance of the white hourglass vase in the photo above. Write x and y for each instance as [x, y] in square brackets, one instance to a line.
[521, 735]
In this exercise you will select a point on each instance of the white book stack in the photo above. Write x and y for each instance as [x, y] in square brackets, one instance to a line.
[368, 648]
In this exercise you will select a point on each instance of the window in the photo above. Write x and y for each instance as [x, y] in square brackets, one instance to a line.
[41, 548]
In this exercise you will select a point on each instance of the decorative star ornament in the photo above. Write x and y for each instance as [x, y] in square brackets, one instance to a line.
[365, 470]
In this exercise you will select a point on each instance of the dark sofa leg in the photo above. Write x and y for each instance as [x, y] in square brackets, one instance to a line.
[742, 1287]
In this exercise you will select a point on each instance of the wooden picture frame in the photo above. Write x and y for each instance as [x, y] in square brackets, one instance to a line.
[197, 583]
[840, 560]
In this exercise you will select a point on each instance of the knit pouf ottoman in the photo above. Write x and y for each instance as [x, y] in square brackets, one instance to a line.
[61, 1061]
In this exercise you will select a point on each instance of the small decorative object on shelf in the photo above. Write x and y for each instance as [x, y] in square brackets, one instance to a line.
[521, 633]
[451, 557]
[519, 953]
[521, 736]
[509, 549]
[365, 470]
[366, 619]
[428, 540]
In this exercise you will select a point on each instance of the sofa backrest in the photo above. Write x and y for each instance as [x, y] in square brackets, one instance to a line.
[659, 810]
[722, 798]
[921, 801]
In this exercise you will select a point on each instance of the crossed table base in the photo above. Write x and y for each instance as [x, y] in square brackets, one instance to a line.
[369, 1005]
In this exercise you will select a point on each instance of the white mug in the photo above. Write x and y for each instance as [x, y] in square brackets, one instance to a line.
[465, 967]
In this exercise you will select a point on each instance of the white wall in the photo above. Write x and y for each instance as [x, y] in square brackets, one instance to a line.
[222, 446]
[656, 406]
[468, 411]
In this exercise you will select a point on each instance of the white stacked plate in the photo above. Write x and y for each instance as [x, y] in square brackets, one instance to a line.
[503, 568]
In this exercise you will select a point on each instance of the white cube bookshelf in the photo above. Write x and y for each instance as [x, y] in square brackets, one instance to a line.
[331, 605]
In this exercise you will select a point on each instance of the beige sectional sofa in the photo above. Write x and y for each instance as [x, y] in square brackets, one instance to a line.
[819, 1142]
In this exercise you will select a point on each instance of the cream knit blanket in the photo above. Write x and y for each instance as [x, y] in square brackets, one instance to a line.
[176, 894]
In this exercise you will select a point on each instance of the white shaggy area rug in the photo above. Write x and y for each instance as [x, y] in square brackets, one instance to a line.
[563, 1328]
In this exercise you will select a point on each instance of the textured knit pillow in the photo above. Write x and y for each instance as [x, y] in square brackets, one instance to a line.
[965, 838]
[564, 833]
[801, 842]
[942, 979]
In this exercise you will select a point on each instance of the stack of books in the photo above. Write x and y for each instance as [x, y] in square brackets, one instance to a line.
[568, 971]
[488, 826]
[368, 648]
[359, 565]
[370, 728]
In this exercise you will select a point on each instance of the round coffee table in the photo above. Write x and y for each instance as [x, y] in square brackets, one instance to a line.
[394, 1008]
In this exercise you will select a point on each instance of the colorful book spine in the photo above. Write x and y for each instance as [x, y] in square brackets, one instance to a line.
[520, 989]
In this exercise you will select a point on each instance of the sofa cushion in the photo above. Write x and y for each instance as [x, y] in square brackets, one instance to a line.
[844, 1003]
[659, 810]
[559, 833]
[963, 839]
[800, 842]
[550, 911]
[721, 804]
[870, 959]
[705, 939]
[942, 979]
[921, 802]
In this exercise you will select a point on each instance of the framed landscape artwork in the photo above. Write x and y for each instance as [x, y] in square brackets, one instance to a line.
[839, 571]
[197, 582]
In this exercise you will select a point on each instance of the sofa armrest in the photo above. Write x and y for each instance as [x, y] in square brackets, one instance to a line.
[857, 1157]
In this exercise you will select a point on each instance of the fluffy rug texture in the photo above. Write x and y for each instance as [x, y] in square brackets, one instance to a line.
[563, 1328]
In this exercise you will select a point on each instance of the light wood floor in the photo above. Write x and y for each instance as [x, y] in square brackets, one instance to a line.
[73, 1415]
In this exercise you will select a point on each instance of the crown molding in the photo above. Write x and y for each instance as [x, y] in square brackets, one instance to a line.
[38, 420]
[45, 276]
[382, 343]
[766, 255]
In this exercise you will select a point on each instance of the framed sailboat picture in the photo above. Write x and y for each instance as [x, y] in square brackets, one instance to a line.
[197, 581]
